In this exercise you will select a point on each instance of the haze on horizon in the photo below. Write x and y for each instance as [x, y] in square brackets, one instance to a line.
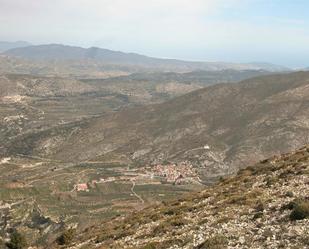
[273, 31]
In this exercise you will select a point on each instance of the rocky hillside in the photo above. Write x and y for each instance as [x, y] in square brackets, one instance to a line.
[217, 129]
[263, 206]
[28, 102]
[55, 68]
[157, 87]
[27, 85]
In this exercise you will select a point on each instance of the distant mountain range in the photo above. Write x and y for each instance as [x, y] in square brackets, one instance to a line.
[11, 45]
[70, 53]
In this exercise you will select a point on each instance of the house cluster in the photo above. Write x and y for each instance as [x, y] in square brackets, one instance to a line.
[175, 173]
[81, 187]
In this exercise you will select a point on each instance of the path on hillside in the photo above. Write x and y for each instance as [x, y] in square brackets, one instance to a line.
[39, 158]
[134, 193]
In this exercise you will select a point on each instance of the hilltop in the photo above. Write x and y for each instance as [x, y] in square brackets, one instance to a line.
[264, 206]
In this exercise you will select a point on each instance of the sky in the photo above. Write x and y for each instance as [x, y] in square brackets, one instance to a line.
[274, 31]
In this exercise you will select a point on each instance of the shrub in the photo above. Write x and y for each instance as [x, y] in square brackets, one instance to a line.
[260, 206]
[164, 244]
[66, 237]
[289, 206]
[17, 241]
[305, 240]
[150, 246]
[169, 224]
[170, 212]
[257, 215]
[300, 210]
[215, 242]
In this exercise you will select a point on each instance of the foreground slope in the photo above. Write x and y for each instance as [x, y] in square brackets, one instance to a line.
[217, 129]
[263, 206]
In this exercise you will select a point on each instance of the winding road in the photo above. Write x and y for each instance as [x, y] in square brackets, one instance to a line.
[134, 193]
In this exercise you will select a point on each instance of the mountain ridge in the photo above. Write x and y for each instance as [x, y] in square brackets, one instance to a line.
[4, 45]
[65, 52]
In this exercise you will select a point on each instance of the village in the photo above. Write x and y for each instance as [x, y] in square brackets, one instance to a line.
[172, 173]
[181, 173]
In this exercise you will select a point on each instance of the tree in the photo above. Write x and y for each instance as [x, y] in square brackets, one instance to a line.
[66, 237]
[17, 241]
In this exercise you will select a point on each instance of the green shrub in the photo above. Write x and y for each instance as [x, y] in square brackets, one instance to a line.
[66, 237]
[17, 241]
[257, 215]
[150, 246]
[260, 206]
[289, 206]
[164, 244]
[169, 225]
[215, 242]
[305, 240]
[300, 210]
[177, 221]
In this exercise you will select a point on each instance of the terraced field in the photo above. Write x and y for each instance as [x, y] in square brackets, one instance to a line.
[39, 196]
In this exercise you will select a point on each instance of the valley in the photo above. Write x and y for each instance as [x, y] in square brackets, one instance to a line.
[39, 196]
[154, 124]
[234, 120]
[87, 140]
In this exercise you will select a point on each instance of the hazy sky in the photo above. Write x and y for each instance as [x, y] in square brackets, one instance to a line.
[274, 31]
